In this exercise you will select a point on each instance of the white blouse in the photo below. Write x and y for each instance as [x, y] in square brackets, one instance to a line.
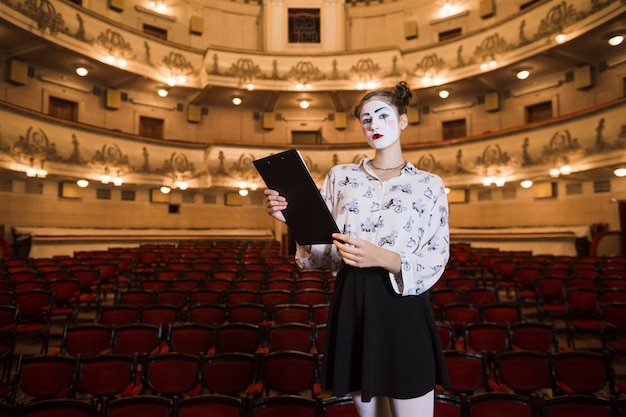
[407, 214]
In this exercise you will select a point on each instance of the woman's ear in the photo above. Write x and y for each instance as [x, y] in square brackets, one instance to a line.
[404, 121]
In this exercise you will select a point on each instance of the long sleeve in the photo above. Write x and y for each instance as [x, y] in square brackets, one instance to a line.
[423, 267]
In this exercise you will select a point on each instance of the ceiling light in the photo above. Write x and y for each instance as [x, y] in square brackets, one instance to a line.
[616, 40]
[526, 184]
[555, 172]
[560, 38]
[565, 170]
[82, 183]
[171, 81]
[162, 92]
[117, 181]
[523, 74]
[165, 189]
[444, 94]
[82, 71]
[105, 179]
[243, 192]
[250, 86]
[305, 103]
[181, 185]
[620, 172]
[500, 182]
[236, 101]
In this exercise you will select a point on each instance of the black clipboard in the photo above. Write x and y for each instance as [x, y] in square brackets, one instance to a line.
[307, 214]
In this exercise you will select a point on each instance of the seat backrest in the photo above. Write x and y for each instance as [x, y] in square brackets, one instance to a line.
[486, 337]
[107, 375]
[292, 313]
[191, 338]
[32, 376]
[569, 377]
[288, 372]
[253, 313]
[467, 371]
[284, 406]
[494, 404]
[229, 373]
[139, 338]
[290, 336]
[172, 373]
[118, 315]
[577, 406]
[238, 337]
[523, 371]
[62, 407]
[207, 313]
[140, 405]
[86, 339]
[534, 336]
[210, 405]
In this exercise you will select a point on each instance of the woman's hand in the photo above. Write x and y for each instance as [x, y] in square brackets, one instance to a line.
[275, 204]
[363, 254]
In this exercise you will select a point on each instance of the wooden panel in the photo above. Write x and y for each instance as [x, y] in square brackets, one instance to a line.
[268, 120]
[341, 121]
[458, 195]
[583, 77]
[410, 30]
[193, 113]
[196, 25]
[113, 99]
[492, 101]
[486, 8]
[117, 5]
[70, 190]
[544, 190]
[17, 72]
[413, 114]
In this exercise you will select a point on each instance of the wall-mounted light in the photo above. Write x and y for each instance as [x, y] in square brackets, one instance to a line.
[565, 170]
[82, 71]
[523, 73]
[488, 65]
[158, 5]
[82, 183]
[162, 92]
[236, 101]
[620, 172]
[616, 39]
[181, 185]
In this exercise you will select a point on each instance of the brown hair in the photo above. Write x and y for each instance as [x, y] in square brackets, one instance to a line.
[400, 97]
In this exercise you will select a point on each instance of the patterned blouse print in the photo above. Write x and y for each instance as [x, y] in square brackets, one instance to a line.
[407, 214]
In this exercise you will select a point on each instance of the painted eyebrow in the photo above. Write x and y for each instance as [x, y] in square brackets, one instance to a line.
[377, 110]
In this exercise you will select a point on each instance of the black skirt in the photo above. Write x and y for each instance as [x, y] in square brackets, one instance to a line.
[378, 342]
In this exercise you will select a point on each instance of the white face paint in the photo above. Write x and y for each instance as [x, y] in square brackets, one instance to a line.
[380, 123]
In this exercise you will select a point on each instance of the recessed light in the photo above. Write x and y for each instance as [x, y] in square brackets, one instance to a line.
[82, 71]
[620, 172]
[616, 40]
[444, 94]
[236, 101]
[523, 74]
[162, 92]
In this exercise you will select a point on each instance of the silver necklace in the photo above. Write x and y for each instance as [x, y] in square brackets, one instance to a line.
[387, 169]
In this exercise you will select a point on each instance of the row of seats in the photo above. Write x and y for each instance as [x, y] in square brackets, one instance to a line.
[484, 405]
[171, 374]
[201, 405]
